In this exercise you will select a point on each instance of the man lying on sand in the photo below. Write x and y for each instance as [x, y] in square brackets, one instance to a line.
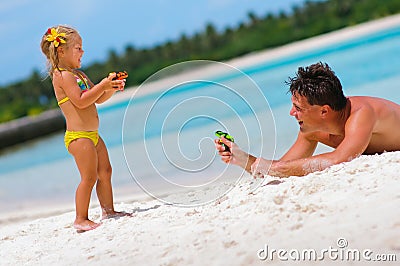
[352, 125]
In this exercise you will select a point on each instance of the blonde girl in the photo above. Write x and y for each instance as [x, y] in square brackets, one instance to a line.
[77, 96]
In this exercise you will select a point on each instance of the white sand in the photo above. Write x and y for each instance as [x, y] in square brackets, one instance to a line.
[358, 201]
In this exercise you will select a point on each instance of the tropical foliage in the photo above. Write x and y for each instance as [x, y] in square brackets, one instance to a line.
[35, 94]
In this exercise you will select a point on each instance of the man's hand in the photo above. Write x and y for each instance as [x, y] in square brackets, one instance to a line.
[226, 155]
[235, 155]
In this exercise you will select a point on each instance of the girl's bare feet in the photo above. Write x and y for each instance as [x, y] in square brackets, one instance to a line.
[114, 214]
[85, 225]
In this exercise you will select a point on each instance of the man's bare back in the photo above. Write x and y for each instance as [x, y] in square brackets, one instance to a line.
[386, 131]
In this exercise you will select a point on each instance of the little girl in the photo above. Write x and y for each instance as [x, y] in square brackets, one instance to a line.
[77, 96]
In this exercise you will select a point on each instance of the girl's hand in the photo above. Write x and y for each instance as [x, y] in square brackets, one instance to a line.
[118, 85]
[115, 85]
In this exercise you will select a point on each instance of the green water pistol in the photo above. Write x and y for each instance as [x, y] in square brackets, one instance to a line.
[220, 134]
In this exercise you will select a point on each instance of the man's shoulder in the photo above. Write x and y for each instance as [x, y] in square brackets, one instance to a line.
[363, 99]
[364, 103]
[369, 104]
[367, 100]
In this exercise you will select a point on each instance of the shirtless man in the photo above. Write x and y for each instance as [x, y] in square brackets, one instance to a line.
[351, 125]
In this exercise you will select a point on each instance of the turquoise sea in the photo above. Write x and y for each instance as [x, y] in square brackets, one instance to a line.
[164, 140]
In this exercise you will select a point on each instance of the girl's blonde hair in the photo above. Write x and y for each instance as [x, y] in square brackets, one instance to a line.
[50, 50]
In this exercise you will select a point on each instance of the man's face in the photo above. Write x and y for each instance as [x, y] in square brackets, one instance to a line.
[308, 116]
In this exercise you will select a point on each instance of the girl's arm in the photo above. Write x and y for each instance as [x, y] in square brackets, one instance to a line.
[67, 81]
[105, 96]
[120, 85]
[107, 93]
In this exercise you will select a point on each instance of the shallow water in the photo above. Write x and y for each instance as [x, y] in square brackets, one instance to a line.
[168, 140]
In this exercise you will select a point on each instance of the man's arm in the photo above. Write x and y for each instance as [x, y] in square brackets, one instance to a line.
[292, 161]
[295, 167]
[303, 147]
[358, 133]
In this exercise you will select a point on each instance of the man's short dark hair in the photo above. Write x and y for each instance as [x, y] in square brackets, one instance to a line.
[319, 84]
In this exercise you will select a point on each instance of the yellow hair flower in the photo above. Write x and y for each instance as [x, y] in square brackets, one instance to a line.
[55, 37]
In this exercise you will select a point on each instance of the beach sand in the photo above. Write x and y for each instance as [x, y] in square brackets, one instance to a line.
[351, 206]
[355, 203]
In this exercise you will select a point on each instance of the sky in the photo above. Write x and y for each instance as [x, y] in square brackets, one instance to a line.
[112, 25]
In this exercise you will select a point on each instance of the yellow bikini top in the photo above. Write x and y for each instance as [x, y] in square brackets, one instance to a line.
[82, 83]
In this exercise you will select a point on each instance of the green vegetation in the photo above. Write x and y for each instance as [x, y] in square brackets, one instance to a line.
[35, 94]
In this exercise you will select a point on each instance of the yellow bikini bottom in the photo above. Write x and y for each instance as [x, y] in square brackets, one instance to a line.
[73, 135]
